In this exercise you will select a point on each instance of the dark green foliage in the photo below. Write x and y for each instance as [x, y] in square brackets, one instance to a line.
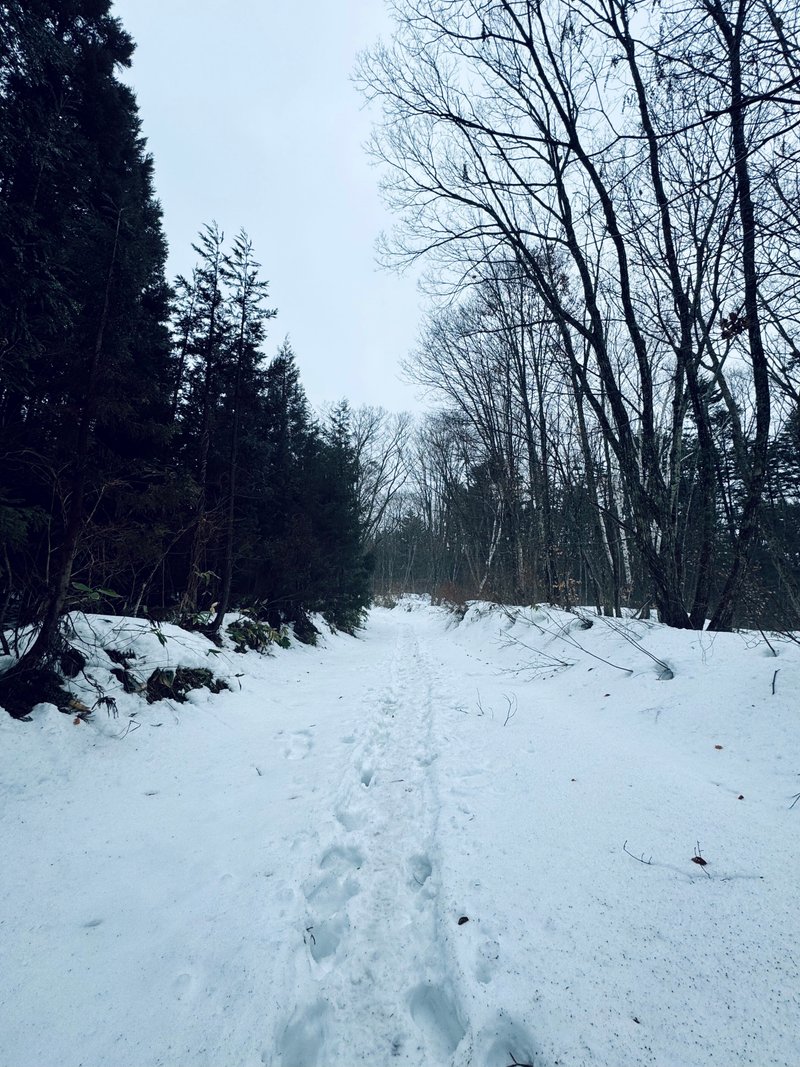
[123, 673]
[283, 640]
[122, 658]
[304, 629]
[344, 566]
[249, 634]
[85, 363]
[175, 684]
[306, 553]
[153, 463]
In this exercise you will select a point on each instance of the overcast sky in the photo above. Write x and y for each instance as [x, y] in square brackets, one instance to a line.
[250, 114]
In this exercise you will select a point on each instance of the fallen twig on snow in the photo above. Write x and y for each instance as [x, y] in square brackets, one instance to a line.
[516, 1063]
[667, 674]
[512, 708]
[132, 725]
[564, 635]
[554, 661]
[698, 859]
[772, 650]
[639, 859]
[481, 711]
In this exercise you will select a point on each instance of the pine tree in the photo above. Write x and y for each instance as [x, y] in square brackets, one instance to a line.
[288, 438]
[344, 568]
[83, 343]
[249, 318]
[212, 334]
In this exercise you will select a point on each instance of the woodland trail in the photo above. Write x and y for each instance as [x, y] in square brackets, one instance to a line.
[377, 979]
[408, 848]
[378, 987]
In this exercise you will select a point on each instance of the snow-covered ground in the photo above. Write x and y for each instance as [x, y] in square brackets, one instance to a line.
[408, 848]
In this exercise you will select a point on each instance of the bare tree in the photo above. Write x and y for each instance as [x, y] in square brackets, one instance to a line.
[380, 442]
[555, 132]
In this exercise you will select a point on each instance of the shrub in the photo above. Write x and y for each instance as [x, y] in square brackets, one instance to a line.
[175, 684]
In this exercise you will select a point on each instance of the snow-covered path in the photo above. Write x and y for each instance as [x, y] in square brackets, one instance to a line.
[378, 983]
[280, 875]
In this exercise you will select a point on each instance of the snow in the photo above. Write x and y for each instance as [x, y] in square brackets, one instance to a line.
[279, 874]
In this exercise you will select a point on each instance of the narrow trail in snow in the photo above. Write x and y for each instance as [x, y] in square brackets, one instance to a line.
[274, 876]
[371, 916]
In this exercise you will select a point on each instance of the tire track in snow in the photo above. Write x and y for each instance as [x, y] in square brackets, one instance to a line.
[377, 987]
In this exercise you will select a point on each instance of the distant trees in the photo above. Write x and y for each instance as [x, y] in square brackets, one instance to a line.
[379, 440]
[599, 188]
[311, 552]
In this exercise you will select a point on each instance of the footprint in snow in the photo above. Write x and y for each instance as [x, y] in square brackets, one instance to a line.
[421, 869]
[183, 986]
[298, 745]
[503, 1041]
[427, 758]
[486, 961]
[303, 1040]
[350, 820]
[436, 1015]
[328, 894]
[341, 857]
[323, 938]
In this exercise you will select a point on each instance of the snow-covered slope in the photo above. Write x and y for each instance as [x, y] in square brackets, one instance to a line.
[421, 847]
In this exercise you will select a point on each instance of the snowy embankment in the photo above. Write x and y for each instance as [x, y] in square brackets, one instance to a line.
[418, 847]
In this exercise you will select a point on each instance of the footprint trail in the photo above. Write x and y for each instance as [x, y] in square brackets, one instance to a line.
[377, 986]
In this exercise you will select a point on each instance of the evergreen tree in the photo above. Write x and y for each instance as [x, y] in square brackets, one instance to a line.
[289, 441]
[84, 356]
[343, 568]
[137, 460]
[249, 318]
[212, 327]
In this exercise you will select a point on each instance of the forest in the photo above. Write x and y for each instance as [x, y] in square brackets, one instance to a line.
[605, 195]
[605, 200]
[156, 461]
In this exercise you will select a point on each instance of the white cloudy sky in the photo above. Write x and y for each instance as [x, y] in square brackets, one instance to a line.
[253, 121]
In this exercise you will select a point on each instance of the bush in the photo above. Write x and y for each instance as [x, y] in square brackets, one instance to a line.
[452, 597]
[304, 629]
[347, 619]
[20, 693]
[256, 636]
[175, 684]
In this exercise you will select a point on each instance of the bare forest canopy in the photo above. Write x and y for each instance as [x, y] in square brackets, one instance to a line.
[605, 196]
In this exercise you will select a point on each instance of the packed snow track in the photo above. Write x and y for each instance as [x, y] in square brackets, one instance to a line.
[407, 848]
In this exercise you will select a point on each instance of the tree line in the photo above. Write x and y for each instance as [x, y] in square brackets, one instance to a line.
[606, 197]
[154, 460]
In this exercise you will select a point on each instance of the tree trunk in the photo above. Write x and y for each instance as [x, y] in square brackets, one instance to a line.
[44, 647]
